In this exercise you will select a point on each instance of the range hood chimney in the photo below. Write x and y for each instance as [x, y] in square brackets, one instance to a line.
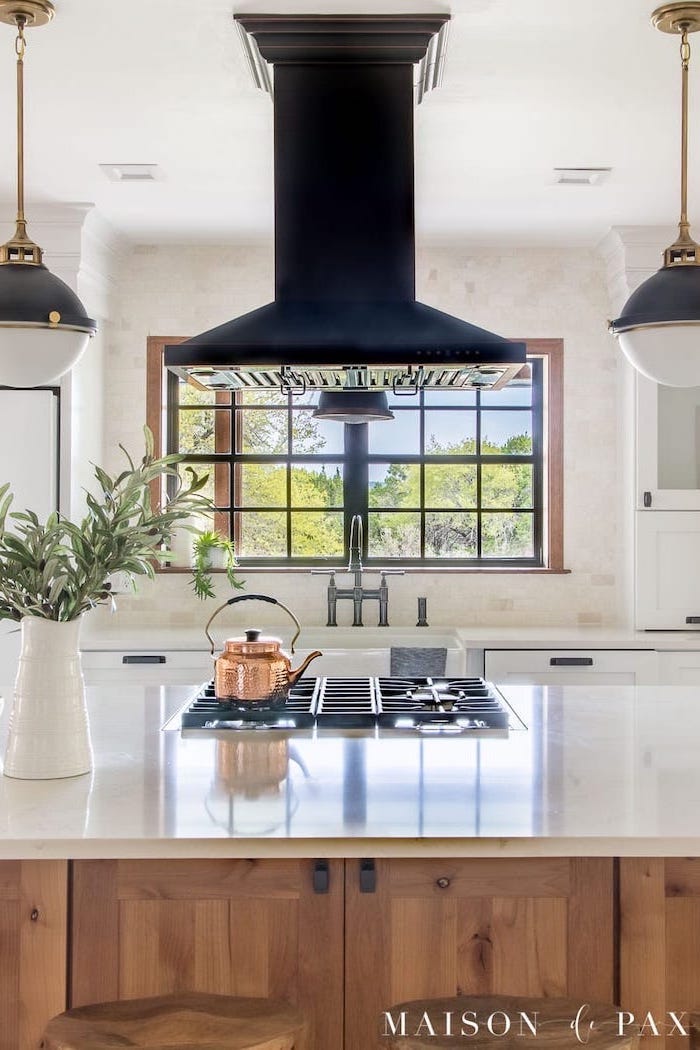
[345, 317]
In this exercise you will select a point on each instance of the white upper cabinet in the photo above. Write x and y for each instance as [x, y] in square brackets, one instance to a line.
[668, 447]
[668, 507]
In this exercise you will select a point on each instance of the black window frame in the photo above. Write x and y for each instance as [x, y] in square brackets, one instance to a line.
[356, 461]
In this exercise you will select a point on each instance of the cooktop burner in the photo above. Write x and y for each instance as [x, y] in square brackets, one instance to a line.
[430, 704]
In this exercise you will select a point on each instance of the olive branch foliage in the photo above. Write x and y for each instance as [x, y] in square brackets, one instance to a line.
[59, 569]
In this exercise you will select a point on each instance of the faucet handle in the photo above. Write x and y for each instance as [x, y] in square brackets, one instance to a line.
[392, 572]
[323, 572]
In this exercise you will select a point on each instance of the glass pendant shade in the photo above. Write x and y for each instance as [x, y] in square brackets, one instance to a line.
[43, 326]
[353, 407]
[659, 329]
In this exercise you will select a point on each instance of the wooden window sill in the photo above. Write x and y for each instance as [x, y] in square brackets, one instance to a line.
[409, 571]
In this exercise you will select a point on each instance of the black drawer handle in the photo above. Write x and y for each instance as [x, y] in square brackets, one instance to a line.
[368, 876]
[322, 876]
[571, 661]
[692, 619]
[143, 659]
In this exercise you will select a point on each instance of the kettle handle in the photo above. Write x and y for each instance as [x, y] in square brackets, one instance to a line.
[251, 598]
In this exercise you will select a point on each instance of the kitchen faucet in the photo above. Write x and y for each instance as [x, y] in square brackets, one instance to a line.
[358, 593]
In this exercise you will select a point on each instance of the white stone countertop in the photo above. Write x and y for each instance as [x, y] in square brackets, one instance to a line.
[192, 639]
[600, 771]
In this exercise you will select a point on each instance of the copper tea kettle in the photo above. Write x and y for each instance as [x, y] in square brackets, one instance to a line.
[253, 671]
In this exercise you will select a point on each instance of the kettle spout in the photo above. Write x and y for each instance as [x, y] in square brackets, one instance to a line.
[294, 676]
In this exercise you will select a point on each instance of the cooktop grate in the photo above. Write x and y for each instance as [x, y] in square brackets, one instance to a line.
[459, 704]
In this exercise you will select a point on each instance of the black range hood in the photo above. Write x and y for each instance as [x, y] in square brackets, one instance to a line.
[345, 317]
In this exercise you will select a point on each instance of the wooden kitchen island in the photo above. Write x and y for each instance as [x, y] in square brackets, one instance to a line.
[347, 872]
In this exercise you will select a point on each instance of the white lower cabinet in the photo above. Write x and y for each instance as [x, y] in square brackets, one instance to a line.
[679, 668]
[130, 667]
[668, 570]
[571, 666]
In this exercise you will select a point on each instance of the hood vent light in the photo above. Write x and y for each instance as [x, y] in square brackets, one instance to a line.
[345, 317]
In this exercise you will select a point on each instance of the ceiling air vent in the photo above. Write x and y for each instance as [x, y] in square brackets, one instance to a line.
[581, 176]
[131, 172]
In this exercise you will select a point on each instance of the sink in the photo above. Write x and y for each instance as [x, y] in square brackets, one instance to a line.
[358, 651]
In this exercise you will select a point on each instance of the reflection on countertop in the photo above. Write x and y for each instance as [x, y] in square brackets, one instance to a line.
[600, 771]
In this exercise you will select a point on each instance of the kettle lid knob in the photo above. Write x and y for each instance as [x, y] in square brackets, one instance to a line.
[252, 634]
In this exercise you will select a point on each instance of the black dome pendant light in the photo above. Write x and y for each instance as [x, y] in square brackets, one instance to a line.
[44, 328]
[659, 329]
[361, 406]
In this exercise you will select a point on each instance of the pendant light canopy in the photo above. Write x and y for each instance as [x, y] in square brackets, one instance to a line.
[43, 325]
[353, 407]
[659, 329]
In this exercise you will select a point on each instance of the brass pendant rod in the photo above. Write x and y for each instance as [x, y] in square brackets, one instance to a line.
[20, 48]
[682, 19]
[20, 248]
[684, 225]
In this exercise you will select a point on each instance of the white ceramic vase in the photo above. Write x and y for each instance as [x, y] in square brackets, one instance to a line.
[49, 734]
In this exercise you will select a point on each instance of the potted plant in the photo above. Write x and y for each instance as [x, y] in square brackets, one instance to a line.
[211, 550]
[51, 573]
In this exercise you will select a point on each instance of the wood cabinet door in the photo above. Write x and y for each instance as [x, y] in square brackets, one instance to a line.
[235, 927]
[33, 947]
[446, 927]
[660, 940]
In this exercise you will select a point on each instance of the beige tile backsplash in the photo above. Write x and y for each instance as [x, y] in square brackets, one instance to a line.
[519, 292]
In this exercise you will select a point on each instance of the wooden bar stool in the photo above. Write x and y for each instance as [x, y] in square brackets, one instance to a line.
[424, 1023]
[694, 1031]
[188, 1021]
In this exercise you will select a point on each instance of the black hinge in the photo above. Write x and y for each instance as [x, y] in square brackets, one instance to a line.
[322, 877]
[368, 876]
[647, 499]
[692, 619]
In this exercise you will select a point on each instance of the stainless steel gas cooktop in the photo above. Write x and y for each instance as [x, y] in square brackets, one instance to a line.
[450, 705]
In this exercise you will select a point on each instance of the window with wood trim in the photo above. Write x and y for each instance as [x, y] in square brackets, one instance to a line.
[469, 479]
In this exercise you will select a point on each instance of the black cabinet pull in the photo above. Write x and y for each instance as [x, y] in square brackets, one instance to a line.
[571, 661]
[322, 876]
[368, 877]
[143, 659]
[647, 499]
[692, 619]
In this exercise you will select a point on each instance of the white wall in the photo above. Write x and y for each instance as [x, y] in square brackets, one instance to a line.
[519, 292]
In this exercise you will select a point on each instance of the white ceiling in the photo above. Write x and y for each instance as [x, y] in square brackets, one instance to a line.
[529, 85]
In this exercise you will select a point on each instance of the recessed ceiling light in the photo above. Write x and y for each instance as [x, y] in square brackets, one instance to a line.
[581, 176]
[131, 172]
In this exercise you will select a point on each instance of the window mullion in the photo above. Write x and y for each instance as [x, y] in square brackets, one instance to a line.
[356, 480]
[478, 476]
